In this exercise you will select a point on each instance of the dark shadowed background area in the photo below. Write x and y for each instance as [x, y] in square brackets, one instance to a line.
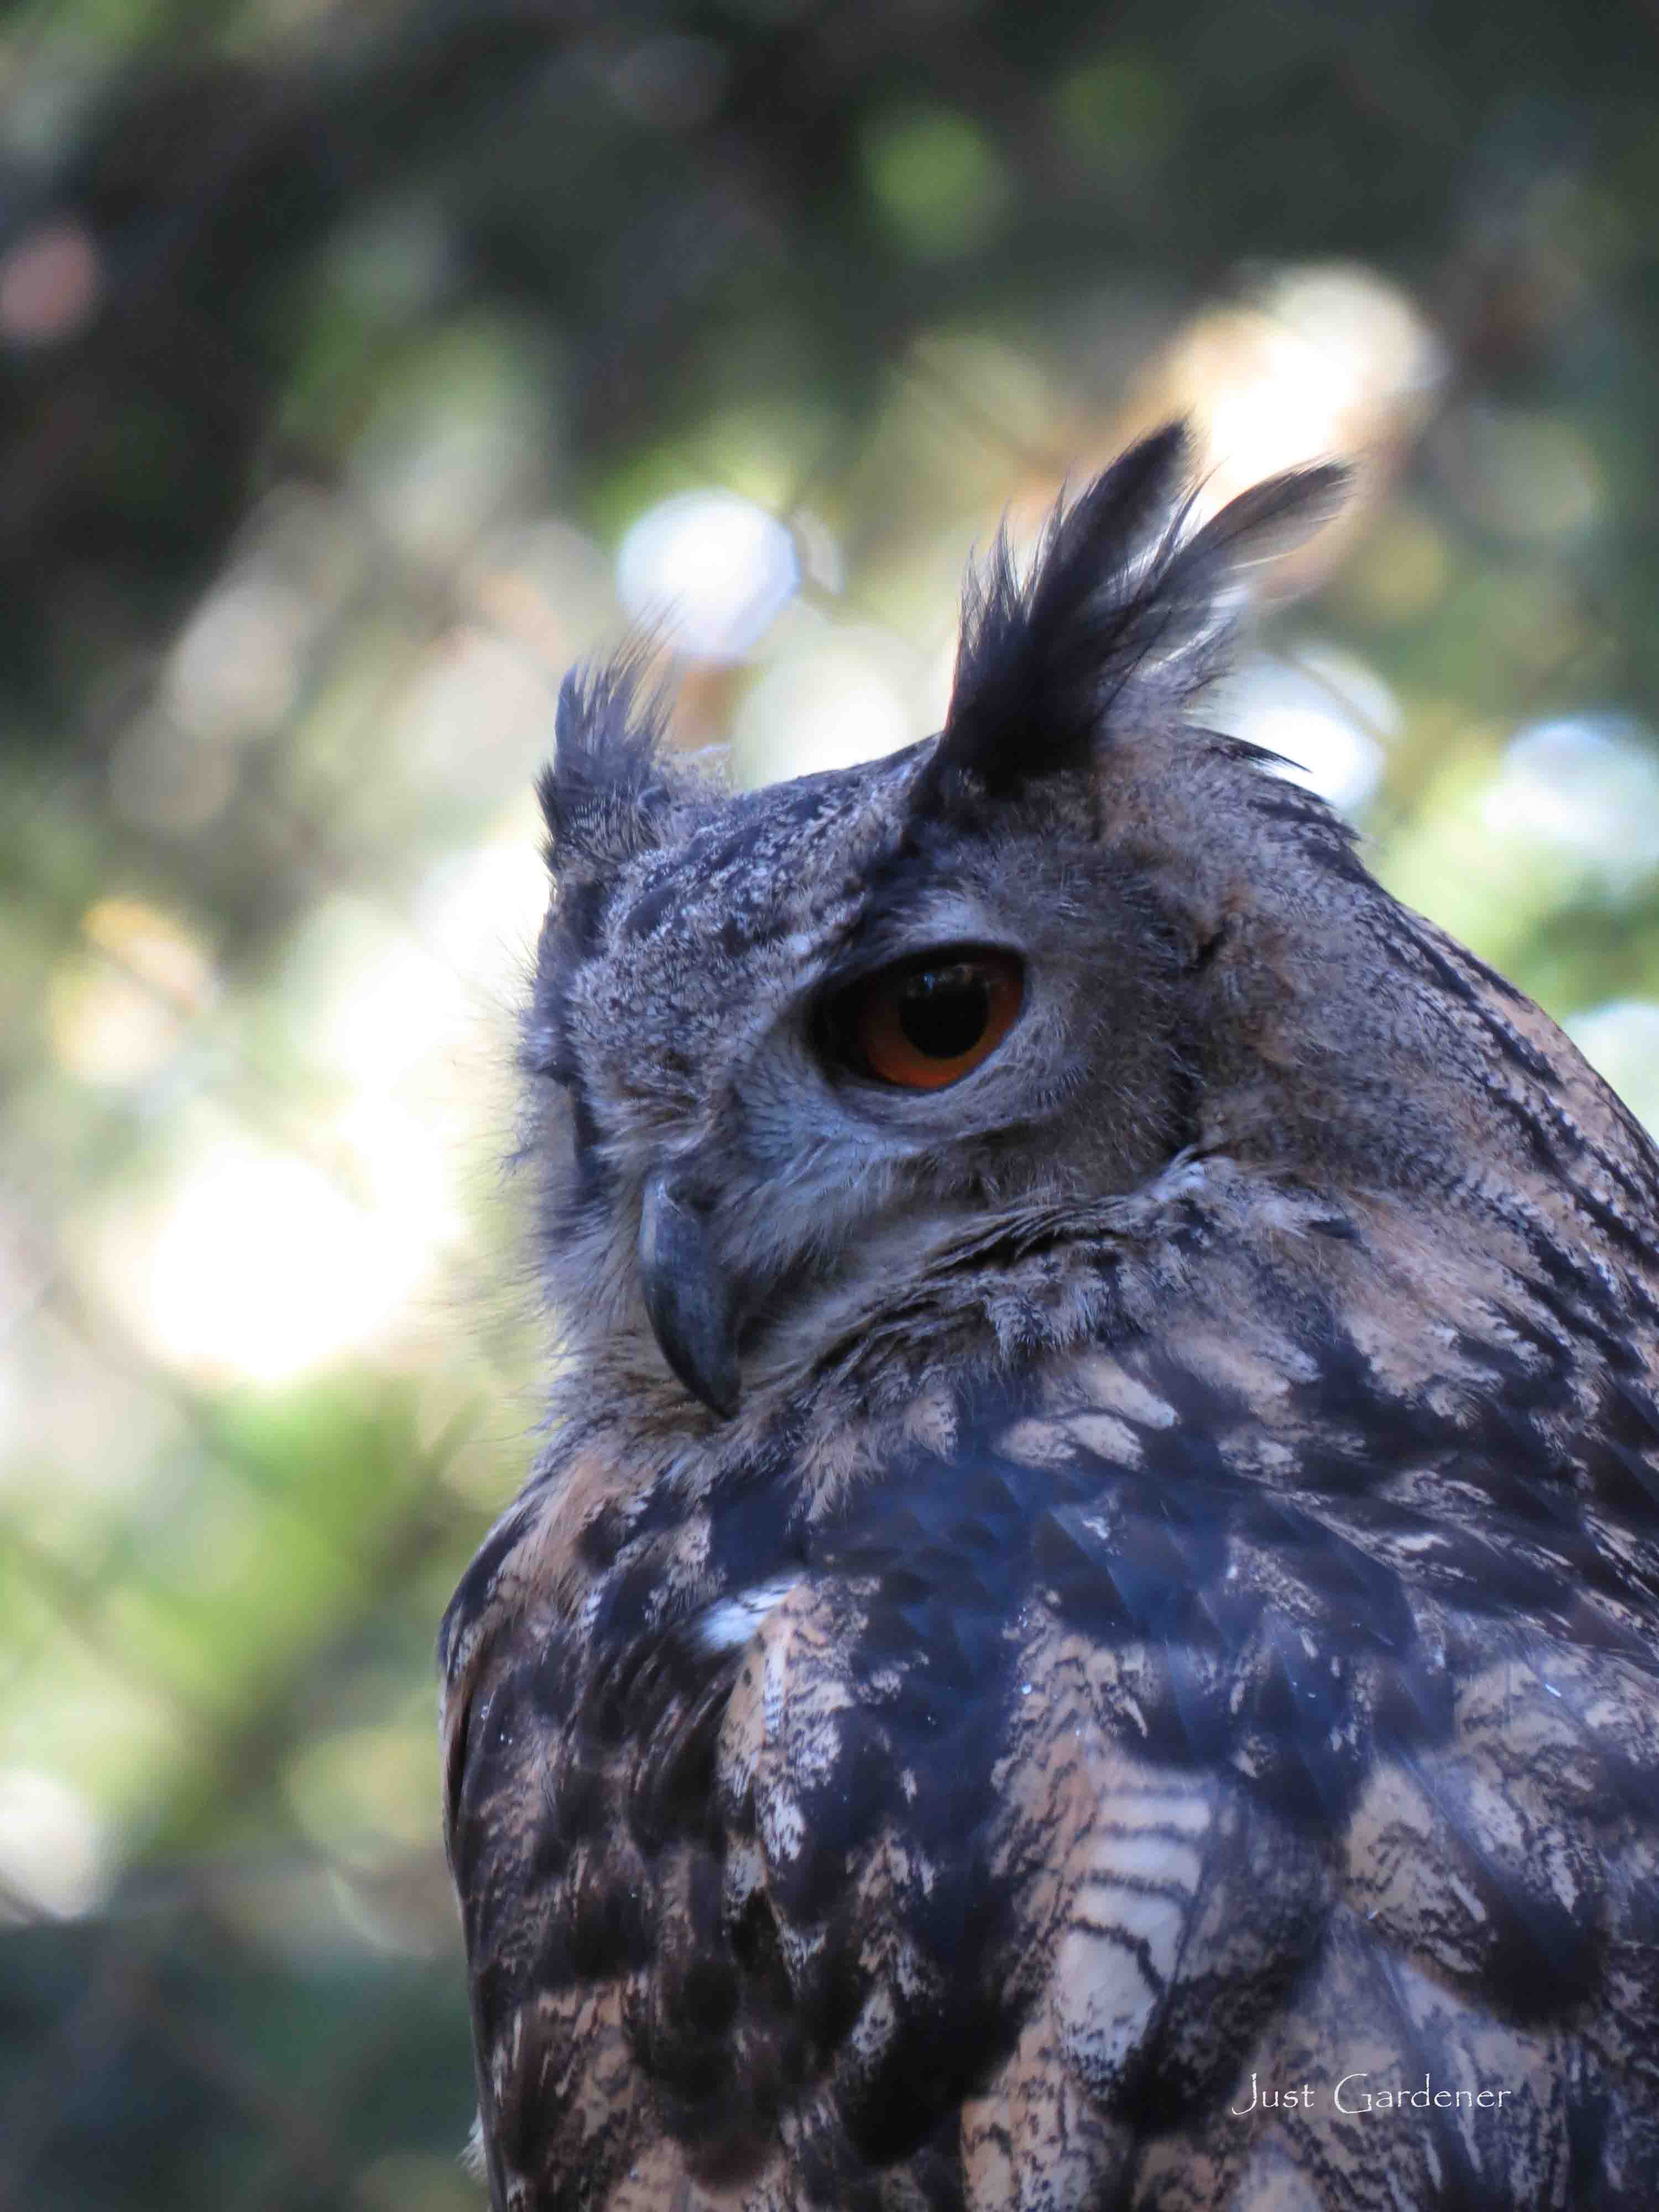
[360, 365]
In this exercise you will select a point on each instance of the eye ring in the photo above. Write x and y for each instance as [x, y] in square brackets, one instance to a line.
[924, 1023]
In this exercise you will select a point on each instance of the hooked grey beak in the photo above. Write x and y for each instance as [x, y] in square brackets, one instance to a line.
[693, 1313]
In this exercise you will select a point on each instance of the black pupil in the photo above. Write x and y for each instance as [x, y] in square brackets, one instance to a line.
[943, 1011]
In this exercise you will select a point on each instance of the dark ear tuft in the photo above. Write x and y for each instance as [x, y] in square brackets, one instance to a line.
[605, 790]
[1122, 599]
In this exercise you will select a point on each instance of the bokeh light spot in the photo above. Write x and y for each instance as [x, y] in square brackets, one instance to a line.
[51, 1855]
[1532, 477]
[262, 1266]
[50, 282]
[1322, 711]
[1588, 785]
[717, 570]
[235, 669]
[116, 1011]
[1620, 1039]
[936, 179]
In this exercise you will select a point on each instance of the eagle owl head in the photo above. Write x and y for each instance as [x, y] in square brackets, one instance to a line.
[787, 1046]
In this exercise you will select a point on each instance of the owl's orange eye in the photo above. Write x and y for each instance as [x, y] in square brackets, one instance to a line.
[928, 1022]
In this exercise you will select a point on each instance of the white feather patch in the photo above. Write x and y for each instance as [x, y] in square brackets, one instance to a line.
[732, 1622]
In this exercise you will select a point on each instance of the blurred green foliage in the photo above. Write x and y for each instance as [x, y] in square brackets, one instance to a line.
[342, 349]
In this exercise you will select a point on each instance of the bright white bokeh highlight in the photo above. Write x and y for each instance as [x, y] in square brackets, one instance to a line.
[1620, 1039]
[1322, 361]
[1323, 711]
[260, 1265]
[714, 569]
[53, 1858]
[1586, 785]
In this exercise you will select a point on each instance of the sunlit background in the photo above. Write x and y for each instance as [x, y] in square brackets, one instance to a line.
[361, 366]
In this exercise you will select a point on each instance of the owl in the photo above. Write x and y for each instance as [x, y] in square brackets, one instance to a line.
[1087, 1633]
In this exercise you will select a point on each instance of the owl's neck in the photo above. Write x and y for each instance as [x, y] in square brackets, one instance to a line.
[875, 1363]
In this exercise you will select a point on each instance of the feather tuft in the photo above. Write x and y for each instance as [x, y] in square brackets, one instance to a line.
[605, 793]
[1124, 604]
